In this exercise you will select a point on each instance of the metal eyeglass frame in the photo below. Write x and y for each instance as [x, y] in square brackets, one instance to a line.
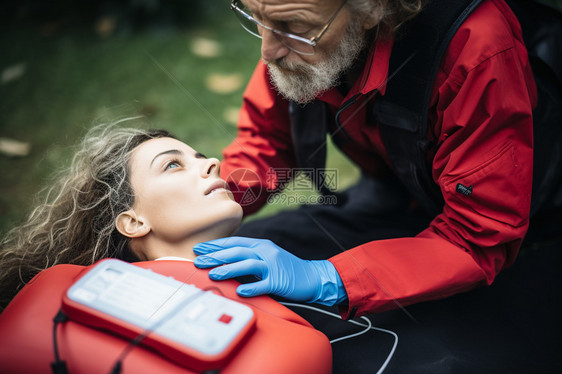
[312, 42]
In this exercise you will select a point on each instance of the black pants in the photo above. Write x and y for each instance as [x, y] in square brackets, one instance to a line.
[513, 326]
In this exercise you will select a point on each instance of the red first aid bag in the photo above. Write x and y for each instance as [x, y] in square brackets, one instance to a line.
[276, 340]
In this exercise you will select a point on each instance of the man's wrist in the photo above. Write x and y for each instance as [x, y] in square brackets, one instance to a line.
[331, 289]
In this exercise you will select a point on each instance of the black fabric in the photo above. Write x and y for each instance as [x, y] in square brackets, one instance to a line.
[543, 40]
[512, 326]
[542, 33]
[402, 112]
[308, 131]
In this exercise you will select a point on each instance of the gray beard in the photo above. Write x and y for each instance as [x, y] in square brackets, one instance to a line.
[302, 83]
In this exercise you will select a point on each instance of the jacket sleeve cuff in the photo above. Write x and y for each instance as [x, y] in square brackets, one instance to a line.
[331, 288]
[346, 307]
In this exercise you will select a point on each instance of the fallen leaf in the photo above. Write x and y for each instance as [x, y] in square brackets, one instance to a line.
[230, 115]
[12, 73]
[14, 148]
[204, 47]
[105, 26]
[224, 83]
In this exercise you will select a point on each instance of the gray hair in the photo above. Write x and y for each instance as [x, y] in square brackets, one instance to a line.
[390, 14]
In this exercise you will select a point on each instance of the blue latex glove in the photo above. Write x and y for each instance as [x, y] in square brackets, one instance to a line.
[281, 272]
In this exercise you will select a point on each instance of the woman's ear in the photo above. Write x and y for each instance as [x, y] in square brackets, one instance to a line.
[131, 225]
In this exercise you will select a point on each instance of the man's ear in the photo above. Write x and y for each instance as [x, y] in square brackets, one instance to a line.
[131, 225]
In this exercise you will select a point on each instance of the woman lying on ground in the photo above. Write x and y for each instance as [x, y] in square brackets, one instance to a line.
[129, 194]
[134, 195]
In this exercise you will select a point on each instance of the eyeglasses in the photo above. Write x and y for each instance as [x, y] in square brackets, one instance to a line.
[294, 42]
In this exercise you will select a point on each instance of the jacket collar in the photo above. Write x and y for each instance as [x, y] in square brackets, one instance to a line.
[373, 77]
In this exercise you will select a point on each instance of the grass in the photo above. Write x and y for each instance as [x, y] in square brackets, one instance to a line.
[74, 76]
[75, 73]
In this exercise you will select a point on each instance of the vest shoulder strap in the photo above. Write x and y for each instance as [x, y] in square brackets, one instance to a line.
[402, 111]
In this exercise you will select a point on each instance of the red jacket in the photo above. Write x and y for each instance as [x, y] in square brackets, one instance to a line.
[480, 115]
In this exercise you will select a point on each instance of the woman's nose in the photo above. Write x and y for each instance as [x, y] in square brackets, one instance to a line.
[271, 48]
[210, 167]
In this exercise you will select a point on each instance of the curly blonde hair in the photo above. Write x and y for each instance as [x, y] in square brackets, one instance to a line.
[75, 223]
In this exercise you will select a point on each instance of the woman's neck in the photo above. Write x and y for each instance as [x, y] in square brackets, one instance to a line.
[151, 247]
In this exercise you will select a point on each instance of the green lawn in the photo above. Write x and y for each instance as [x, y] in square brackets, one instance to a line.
[59, 78]
[61, 74]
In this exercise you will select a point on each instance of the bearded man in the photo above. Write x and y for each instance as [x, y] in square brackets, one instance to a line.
[324, 65]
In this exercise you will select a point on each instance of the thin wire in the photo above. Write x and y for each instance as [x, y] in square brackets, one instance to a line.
[184, 283]
[368, 326]
[55, 343]
[58, 366]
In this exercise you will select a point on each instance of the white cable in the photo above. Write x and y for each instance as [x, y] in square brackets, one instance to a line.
[367, 326]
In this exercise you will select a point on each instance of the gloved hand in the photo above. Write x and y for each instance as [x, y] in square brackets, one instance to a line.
[281, 273]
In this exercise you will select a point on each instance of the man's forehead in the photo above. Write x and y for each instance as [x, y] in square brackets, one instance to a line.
[268, 6]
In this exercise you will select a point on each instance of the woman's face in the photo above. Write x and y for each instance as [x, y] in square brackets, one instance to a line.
[179, 194]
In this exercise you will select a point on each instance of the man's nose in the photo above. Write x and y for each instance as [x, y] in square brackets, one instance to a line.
[210, 167]
[271, 47]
